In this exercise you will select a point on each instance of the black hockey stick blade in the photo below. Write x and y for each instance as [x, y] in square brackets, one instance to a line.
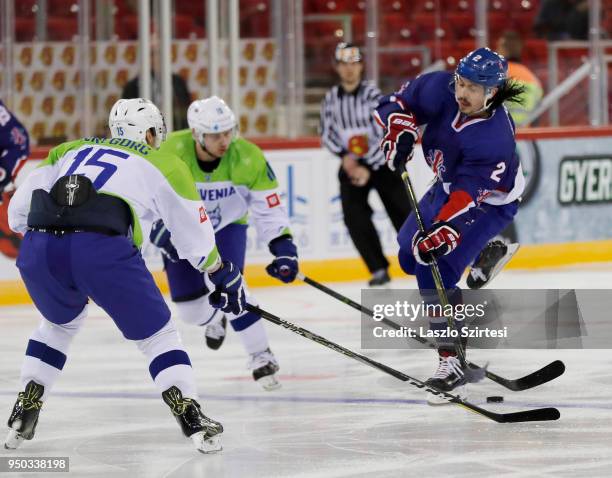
[534, 415]
[544, 414]
[539, 377]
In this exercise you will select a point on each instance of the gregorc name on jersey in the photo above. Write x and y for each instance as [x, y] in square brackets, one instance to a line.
[585, 180]
[216, 194]
[126, 143]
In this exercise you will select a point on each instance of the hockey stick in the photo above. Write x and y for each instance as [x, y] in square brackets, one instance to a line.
[539, 377]
[435, 271]
[533, 415]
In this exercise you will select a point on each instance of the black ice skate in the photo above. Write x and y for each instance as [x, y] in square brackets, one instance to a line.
[264, 366]
[489, 263]
[24, 417]
[380, 278]
[450, 377]
[215, 334]
[203, 431]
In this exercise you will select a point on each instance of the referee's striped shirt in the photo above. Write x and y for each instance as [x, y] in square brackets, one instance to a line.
[343, 113]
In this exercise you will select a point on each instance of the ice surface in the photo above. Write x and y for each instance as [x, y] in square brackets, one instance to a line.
[334, 417]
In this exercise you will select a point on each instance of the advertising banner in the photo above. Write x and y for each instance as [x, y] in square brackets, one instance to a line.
[567, 199]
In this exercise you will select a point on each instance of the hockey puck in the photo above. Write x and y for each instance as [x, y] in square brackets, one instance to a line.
[495, 399]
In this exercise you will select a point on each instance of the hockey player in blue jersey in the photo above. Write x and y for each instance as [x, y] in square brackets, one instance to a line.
[469, 144]
[14, 147]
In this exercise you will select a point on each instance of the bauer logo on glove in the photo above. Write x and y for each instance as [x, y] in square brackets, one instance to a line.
[399, 139]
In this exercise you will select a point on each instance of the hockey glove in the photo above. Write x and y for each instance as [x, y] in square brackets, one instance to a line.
[6, 192]
[285, 263]
[6, 182]
[398, 142]
[14, 150]
[229, 294]
[441, 239]
[160, 237]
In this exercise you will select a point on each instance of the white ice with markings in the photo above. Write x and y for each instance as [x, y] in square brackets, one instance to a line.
[333, 417]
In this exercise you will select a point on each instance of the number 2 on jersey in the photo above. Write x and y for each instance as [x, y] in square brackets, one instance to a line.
[108, 169]
[499, 170]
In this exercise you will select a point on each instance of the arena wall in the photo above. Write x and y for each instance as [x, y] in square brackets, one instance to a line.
[564, 218]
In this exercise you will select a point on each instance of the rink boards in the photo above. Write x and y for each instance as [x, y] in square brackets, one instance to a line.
[562, 219]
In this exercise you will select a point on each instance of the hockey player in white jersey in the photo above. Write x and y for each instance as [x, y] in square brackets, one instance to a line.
[234, 180]
[83, 211]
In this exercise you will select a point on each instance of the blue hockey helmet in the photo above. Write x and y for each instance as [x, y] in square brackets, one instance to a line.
[484, 67]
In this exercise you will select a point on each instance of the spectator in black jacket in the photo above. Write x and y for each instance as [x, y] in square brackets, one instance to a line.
[181, 97]
[563, 20]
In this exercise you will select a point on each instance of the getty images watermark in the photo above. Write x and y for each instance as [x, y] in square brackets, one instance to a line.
[488, 319]
[463, 314]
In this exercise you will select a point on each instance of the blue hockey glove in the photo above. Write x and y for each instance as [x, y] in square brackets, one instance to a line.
[441, 239]
[160, 237]
[229, 294]
[285, 263]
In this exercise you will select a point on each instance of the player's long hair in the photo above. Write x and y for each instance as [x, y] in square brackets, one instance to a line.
[510, 91]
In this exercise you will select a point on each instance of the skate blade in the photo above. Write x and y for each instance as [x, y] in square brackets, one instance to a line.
[269, 383]
[13, 440]
[511, 250]
[206, 445]
[436, 400]
[385, 286]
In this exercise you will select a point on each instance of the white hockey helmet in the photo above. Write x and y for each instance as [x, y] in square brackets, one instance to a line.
[210, 116]
[132, 119]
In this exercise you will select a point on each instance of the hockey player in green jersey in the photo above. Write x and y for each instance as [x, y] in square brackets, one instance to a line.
[82, 212]
[233, 179]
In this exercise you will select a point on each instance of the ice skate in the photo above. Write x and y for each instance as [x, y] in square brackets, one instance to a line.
[24, 417]
[449, 377]
[490, 262]
[203, 431]
[215, 334]
[264, 366]
[380, 278]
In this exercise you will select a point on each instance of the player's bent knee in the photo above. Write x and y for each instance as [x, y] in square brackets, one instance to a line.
[69, 328]
[407, 262]
[165, 339]
[196, 312]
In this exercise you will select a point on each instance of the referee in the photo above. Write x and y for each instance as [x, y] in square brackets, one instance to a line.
[349, 131]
